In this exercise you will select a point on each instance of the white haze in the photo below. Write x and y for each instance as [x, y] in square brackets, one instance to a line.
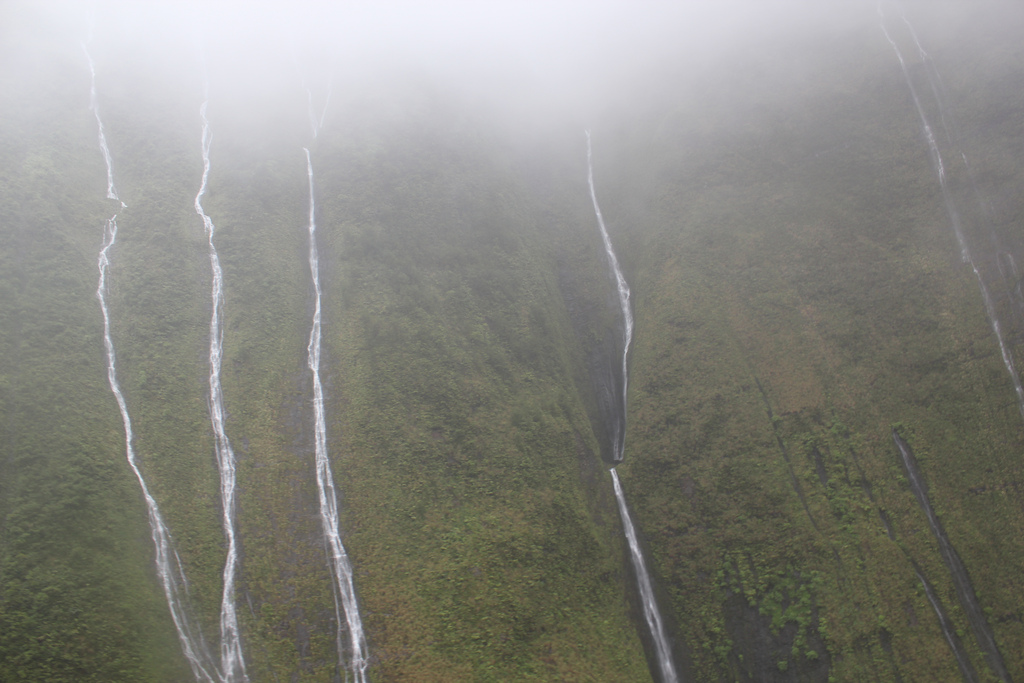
[545, 60]
[561, 50]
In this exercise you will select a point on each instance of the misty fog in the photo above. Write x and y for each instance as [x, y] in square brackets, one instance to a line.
[558, 56]
[526, 63]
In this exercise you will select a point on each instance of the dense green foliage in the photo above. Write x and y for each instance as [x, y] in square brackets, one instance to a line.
[797, 293]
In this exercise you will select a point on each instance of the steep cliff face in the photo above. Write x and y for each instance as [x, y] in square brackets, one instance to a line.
[800, 289]
[474, 508]
[799, 294]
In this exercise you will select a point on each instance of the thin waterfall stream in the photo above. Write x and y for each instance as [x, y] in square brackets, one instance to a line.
[965, 591]
[652, 615]
[949, 127]
[94, 108]
[168, 565]
[958, 572]
[232, 661]
[948, 629]
[341, 568]
[951, 210]
[619, 425]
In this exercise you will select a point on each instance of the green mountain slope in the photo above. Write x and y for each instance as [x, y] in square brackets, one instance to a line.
[798, 295]
[799, 298]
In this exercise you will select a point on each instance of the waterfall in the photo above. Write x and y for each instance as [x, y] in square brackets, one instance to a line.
[650, 606]
[168, 566]
[957, 570]
[948, 629]
[341, 568]
[643, 579]
[961, 580]
[951, 210]
[933, 147]
[619, 427]
[231, 659]
[94, 108]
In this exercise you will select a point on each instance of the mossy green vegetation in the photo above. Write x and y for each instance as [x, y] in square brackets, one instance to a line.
[475, 510]
[789, 310]
[798, 296]
[79, 599]
[477, 515]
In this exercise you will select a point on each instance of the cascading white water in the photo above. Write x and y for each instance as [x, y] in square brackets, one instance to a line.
[618, 429]
[168, 566]
[94, 108]
[650, 606]
[232, 662]
[938, 91]
[958, 572]
[933, 146]
[948, 122]
[341, 568]
[643, 579]
[954, 216]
